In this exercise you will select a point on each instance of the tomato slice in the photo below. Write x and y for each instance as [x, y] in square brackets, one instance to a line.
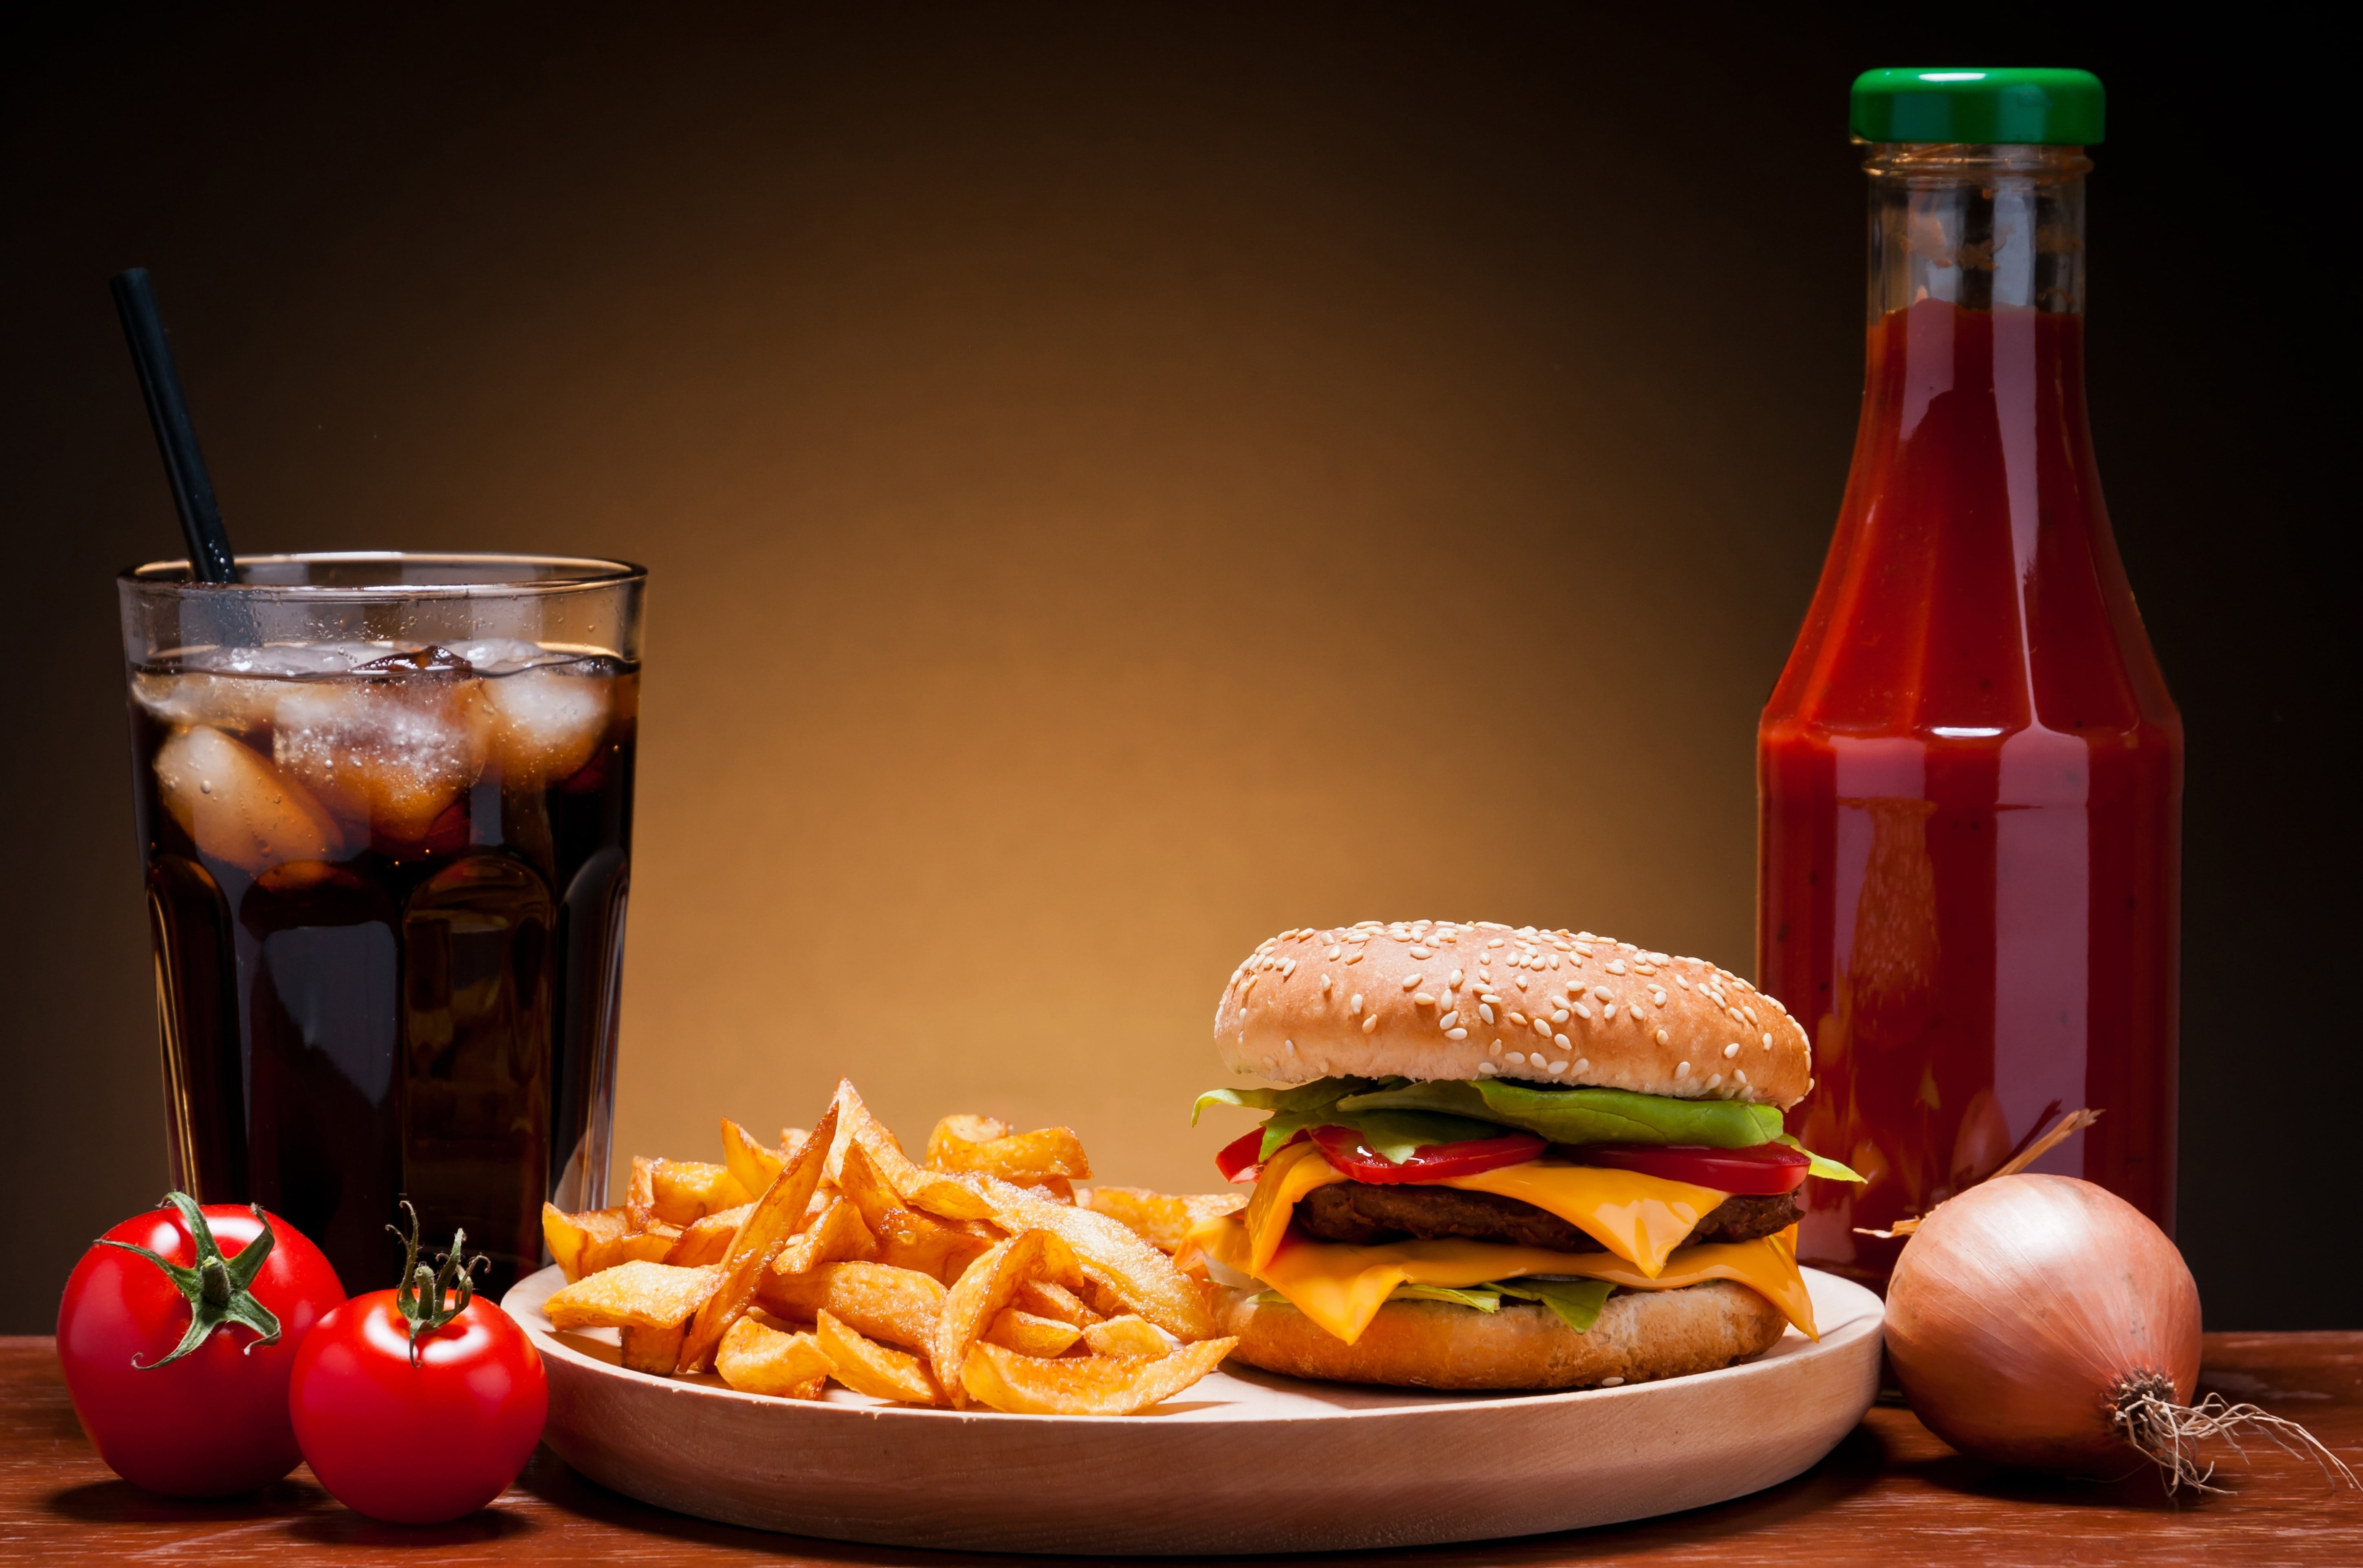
[1236, 1160]
[1764, 1170]
[1430, 1162]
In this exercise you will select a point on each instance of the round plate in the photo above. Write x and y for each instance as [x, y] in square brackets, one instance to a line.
[1245, 1461]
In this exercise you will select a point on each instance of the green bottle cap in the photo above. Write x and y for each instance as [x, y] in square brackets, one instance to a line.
[2022, 103]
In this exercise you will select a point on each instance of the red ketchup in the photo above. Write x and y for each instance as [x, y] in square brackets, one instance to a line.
[1970, 775]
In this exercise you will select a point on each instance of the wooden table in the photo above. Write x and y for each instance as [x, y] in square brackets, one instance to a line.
[1891, 1493]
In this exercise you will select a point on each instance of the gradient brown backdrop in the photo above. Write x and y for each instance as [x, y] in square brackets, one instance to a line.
[1110, 476]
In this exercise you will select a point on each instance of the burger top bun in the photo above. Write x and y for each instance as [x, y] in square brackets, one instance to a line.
[1444, 999]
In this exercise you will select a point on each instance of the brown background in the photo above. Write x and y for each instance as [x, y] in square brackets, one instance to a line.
[1118, 482]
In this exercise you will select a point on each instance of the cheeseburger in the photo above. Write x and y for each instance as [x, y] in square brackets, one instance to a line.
[1502, 1158]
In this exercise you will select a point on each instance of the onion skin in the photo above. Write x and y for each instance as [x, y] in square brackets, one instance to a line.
[2018, 1307]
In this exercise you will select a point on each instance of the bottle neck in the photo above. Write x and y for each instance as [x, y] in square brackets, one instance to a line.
[1981, 227]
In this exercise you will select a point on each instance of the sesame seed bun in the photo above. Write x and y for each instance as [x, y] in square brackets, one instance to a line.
[1428, 999]
[1640, 1335]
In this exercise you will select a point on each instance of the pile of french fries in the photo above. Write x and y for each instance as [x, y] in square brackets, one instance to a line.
[984, 1275]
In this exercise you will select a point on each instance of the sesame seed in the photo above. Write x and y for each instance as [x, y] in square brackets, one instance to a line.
[1559, 1041]
[1456, 980]
[1541, 1026]
[1683, 983]
[1324, 984]
[1731, 1050]
[1715, 1080]
[1455, 1034]
[1448, 1019]
[1558, 1067]
[1334, 951]
[1292, 1046]
[1410, 981]
[1354, 957]
[1494, 943]
[1249, 987]
[1497, 1045]
[1607, 1012]
[1370, 1023]
[1356, 1005]
[1424, 1000]
[1768, 1042]
[1612, 1383]
[1486, 1070]
[1584, 1066]
[1517, 1059]
[1615, 966]
[1740, 1074]
[1421, 953]
[1287, 968]
[1559, 1015]
[1602, 993]
[1582, 1012]
[1683, 1070]
[1664, 1038]
[1485, 1011]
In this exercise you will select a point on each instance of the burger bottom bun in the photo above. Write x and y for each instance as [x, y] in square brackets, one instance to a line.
[1640, 1336]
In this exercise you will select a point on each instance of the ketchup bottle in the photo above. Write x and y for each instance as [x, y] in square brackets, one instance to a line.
[1969, 778]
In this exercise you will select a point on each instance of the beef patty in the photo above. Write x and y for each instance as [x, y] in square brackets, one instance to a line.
[1363, 1213]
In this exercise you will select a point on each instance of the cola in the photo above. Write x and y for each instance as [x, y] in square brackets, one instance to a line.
[386, 883]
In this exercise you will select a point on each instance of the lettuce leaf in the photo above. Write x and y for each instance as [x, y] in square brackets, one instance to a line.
[1582, 1114]
[1483, 1297]
[1302, 1098]
[1577, 1302]
[1829, 1170]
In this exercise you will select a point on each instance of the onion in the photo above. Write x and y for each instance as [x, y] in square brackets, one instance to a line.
[2043, 1321]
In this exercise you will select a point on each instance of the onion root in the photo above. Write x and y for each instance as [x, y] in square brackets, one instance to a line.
[2143, 1411]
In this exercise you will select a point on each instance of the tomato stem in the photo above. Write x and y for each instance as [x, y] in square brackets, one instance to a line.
[421, 1295]
[219, 1290]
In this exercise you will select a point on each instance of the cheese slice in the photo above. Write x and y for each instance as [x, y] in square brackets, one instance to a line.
[1639, 1218]
[1342, 1287]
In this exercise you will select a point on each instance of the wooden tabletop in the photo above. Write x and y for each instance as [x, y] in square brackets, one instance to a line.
[1891, 1493]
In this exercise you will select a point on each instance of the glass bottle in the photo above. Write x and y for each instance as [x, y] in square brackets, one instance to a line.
[1970, 777]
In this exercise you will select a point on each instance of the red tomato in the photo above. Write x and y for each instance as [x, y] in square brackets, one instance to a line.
[1767, 1168]
[1431, 1162]
[213, 1421]
[424, 1439]
[1236, 1160]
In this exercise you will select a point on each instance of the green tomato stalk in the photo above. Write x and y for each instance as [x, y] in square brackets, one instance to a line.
[219, 1290]
[421, 1295]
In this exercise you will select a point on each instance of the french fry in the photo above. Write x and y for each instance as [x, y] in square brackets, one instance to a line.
[1024, 1159]
[1046, 1300]
[1162, 1219]
[1029, 1334]
[683, 1190]
[708, 1239]
[837, 1236]
[868, 1367]
[637, 1295]
[965, 1130]
[640, 1194]
[652, 1349]
[946, 1198]
[567, 1235]
[980, 1293]
[751, 1166]
[855, 1125]
[754, 1358]
[758, 1242]
[649, 1246]
[1083, 1385]
[1128, 1338]
[885, 1303]
[912, 1241]
[1136, 1274]
[859, 1180]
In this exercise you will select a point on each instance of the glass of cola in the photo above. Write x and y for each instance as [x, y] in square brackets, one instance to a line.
[384, 806]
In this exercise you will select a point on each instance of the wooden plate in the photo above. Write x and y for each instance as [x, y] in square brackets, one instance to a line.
[1243, 1461]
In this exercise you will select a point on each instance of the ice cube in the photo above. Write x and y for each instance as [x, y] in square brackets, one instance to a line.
[507, 655]
[546, 723]
[389, 754]
[238, 807]
[225, 702]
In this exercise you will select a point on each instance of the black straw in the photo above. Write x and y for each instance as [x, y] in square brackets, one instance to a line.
[168, 410]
